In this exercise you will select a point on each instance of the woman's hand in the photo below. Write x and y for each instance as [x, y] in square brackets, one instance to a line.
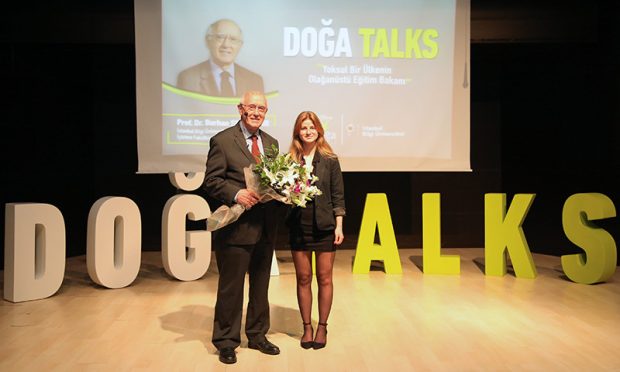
[339, 235]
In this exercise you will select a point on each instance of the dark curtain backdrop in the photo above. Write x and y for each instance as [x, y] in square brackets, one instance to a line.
[544, 119]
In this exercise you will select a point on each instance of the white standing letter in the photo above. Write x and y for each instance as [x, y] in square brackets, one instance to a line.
[34, 251]
[114, 242]
[179, 264]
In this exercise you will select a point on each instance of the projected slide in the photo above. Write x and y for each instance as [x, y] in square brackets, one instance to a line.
[382, 76]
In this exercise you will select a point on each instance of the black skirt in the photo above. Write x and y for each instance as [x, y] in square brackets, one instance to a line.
[304, 236]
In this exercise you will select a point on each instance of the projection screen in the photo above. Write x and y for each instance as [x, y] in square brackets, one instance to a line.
[389, 80]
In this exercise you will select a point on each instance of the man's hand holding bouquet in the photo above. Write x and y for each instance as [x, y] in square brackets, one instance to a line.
[273, 178]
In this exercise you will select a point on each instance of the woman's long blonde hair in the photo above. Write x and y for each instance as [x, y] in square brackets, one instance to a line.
[297, 149]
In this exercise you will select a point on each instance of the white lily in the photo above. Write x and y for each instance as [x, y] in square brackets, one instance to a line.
[271, 176]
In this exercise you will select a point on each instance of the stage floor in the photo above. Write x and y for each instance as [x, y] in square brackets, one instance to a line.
[379, 322]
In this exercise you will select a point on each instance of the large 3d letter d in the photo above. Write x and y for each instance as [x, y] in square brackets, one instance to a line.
[34, 251]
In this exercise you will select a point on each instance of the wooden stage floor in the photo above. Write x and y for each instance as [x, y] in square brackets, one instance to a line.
[379, 322]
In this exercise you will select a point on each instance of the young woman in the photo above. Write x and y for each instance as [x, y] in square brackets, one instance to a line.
[317, 227]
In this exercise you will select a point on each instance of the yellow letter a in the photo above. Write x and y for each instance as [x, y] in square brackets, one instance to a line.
[503, 230]
[376, 213]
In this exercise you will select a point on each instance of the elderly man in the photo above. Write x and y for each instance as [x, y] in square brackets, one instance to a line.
[245, 246]
[220, 75]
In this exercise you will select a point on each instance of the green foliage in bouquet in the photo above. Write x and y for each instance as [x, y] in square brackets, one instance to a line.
[286, 177]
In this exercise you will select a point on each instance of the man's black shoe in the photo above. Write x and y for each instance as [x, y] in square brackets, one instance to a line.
[227, 355]
[264, 347]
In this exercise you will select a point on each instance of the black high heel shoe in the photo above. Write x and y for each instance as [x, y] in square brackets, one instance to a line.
[307, 344]
[320, 345]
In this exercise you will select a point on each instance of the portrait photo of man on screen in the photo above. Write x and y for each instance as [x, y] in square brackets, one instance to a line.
[220, 75]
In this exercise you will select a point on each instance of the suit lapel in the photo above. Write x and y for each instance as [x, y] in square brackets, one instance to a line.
[317, 167]
[267, 143]
[241, 142]
[239, 86]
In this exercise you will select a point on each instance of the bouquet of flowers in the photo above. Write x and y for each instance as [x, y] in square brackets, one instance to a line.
[286, 178]
[273, 178]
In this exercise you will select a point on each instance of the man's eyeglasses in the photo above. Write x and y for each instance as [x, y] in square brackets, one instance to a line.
[220, 38]
[261, 109]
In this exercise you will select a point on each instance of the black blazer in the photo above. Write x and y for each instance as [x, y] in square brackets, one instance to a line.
[330, 203]
[228, 155]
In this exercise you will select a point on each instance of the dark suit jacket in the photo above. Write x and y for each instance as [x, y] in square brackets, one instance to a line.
[228, 155]
[199, 78]
[330, 203]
